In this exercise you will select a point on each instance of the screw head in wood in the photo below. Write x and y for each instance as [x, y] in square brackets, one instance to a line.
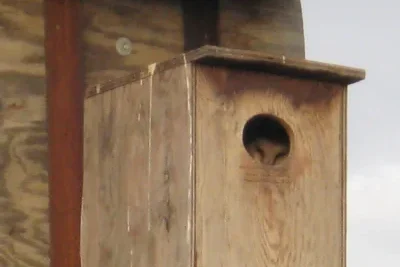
[123, 46]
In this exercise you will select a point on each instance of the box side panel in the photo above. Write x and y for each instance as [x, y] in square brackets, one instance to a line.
[115, 191]
[250, 214]
[343, 166]
[137, 204]
[171, 168]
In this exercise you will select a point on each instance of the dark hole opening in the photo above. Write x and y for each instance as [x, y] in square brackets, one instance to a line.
[266, 139]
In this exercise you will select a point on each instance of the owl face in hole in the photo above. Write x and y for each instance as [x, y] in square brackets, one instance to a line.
[267, 151]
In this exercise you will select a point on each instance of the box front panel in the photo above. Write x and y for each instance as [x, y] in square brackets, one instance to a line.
[282, 211]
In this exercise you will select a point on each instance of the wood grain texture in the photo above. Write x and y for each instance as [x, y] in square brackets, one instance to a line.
[137, 197]
[200, 23]
[23, 139]
[110, 150]
[171, 168]
[243, 59]
[269, 26]
[286, 215]
[272, 26]
[155, 28]
[65, 100]
[169, 183]
[24, 233]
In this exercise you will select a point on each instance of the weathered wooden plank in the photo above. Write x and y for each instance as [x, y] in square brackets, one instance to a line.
[154, 27]
[65, 98]
[138, 174]
[274, 27]
[171, 168]
[243, 59]
[271, 26]
[23, 139]
[286, 215]
[114, 198]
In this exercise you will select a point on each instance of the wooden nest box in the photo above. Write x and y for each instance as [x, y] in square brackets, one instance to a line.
[217, 157]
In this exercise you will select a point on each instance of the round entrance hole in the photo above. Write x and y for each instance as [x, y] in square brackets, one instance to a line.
[266, 139]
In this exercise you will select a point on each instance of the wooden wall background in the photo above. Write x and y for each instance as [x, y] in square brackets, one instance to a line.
[156, 30]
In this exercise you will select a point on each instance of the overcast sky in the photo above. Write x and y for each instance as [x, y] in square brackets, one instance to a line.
[366, 34]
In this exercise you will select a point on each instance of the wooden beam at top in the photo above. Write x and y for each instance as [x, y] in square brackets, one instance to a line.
[65, 89]
[200, 23]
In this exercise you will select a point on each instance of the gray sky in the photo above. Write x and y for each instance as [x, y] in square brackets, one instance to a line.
[366, 34]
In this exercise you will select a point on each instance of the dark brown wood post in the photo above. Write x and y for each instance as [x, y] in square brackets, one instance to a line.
[65, 88]
[200, 23]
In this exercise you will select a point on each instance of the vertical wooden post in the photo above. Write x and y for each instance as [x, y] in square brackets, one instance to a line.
[65, 88]
[200, 23]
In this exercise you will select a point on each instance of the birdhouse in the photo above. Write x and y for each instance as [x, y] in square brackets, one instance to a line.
[217, 157]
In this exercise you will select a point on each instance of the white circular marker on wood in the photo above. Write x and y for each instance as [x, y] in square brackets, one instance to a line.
[123, 46]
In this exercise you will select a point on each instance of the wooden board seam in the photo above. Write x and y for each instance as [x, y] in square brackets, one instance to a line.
[248, 60]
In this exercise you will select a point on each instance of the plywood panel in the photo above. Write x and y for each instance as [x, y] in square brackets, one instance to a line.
[248, 214]
[270, 26]
[23, 139]
[137, 208]
[154, 27]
